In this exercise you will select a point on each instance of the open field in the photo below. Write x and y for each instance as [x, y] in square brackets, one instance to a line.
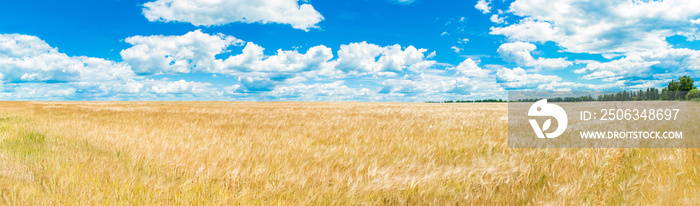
[310, 154]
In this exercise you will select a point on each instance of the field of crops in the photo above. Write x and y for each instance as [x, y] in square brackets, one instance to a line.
[301, 153]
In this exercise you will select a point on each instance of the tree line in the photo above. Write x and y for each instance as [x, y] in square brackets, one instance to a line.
[683, 89]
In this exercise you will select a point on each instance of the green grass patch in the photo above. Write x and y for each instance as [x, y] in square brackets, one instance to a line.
[24, 143]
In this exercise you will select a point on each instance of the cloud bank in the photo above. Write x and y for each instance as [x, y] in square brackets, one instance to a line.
[211, 13]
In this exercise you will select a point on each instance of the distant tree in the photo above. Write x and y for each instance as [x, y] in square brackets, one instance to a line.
[673, 86]
[692, 94]
[685, 83]
[677, 90]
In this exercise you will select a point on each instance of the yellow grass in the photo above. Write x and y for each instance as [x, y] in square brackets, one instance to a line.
[312, 154]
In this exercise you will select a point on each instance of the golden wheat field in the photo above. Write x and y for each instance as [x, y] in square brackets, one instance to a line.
[301, 153]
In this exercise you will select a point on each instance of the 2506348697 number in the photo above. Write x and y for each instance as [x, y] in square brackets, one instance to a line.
[639, 114]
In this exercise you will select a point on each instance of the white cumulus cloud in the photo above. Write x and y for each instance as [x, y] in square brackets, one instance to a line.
[469, 68]
[483, 6]
[649, 65]
[219, 12]
[517, 78]
[602, 26]
[195, 52]
[252, 59]
[178, 87]
[496, 19]
[25, 58]
[337, 91]
[30, 69]
[437, 85]
[374, 59]
[176, 54]
[520, 53]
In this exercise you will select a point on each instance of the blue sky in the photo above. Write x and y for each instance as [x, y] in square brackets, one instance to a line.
[385, 50]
